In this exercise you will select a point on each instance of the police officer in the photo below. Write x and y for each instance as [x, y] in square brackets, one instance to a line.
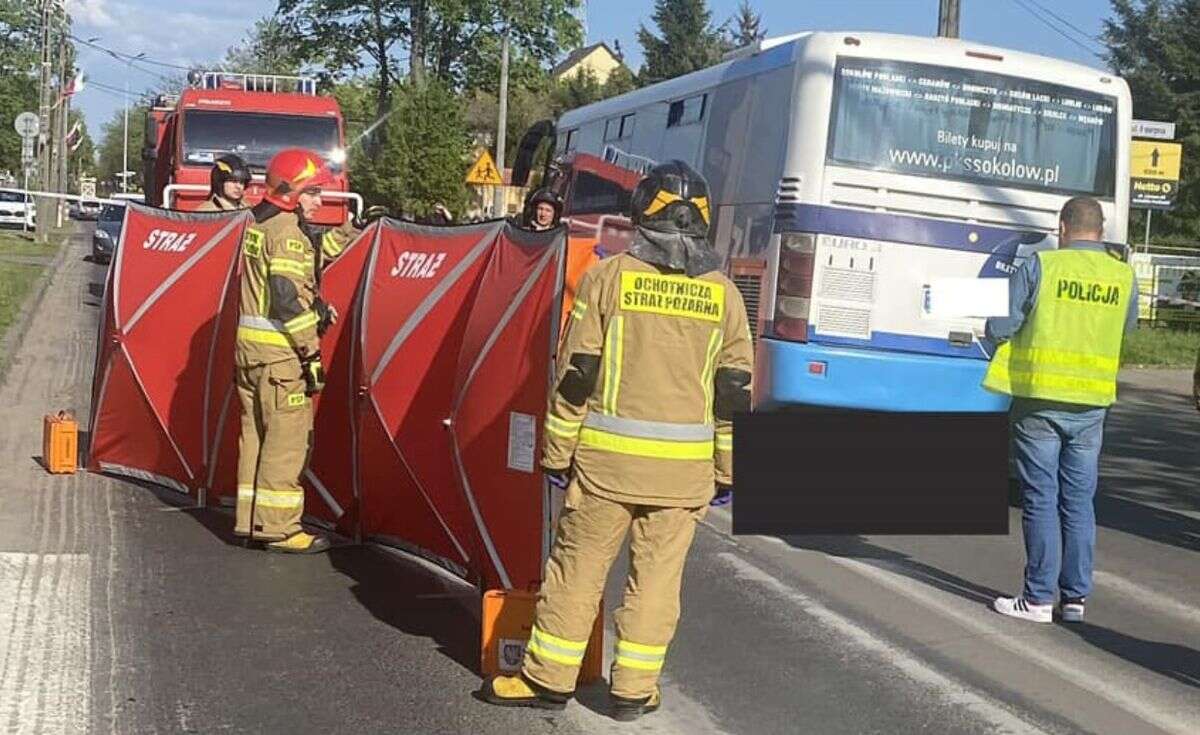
[227, 185]
[654, 364]
[1069, 310]
[543, 211]
[278, 353]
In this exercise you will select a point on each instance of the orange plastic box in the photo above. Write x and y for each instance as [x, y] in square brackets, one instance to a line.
[507, 625]
[60, 443]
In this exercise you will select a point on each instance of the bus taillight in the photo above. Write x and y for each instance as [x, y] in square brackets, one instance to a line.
[793, 289]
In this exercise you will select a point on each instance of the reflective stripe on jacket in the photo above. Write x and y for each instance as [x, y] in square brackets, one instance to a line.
[1069, 349]
[278, 287]
[634, 407]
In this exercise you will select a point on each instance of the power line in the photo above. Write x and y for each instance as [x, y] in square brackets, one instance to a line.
[1050, 24]
[128, 56]
[1068, 23]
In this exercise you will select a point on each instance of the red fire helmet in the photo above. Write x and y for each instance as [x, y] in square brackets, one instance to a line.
[290, 172]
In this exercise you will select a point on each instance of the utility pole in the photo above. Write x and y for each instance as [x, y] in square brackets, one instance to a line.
[43, 208]
[948, 16]
[60, 135]
[501, 128]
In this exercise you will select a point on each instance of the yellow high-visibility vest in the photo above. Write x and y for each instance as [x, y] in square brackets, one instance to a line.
[1069, 349]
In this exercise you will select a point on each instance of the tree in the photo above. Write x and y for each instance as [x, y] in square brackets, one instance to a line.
[354, 36]
[424, 159]
[687, 40]
[269, 48]
[748, 28]
[1155, 46]
[18, 81]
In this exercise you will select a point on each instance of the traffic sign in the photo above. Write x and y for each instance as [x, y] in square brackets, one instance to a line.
[1153, 129]
[1154, 174]
[27, 124]
[484, 172]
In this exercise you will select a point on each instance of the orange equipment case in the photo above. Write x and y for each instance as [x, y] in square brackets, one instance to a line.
[60, 443]
[507, 625]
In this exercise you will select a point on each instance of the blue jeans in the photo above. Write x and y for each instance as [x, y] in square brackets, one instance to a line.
[1057, 449]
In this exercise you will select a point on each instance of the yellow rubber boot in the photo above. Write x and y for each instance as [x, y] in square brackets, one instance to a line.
[516, 691]
[300, 543]
[628, 710]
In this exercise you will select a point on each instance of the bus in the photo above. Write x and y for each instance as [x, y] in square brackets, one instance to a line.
[852, 176]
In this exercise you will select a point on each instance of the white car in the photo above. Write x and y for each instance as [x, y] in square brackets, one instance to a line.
[16, 209]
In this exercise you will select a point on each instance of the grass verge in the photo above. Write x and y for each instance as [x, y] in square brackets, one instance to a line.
[15, 282]
[18, 244]
[1166, 348]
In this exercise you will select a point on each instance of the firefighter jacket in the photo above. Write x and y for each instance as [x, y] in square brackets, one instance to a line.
[651, 370]
[279, 310]
[218, 203]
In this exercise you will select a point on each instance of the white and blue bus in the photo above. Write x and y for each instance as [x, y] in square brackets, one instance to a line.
[848, 173]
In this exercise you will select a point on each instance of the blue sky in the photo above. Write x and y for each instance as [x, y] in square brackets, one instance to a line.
[190, 33]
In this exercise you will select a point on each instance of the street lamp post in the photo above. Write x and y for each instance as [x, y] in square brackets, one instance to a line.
[125, 136]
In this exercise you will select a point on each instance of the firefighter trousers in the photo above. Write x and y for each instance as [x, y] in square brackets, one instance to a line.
[590, 534]
[273, 450]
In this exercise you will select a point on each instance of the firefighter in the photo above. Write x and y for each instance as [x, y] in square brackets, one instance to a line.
[543, 211]
[227, 185]
[655, 362]
[278, 354]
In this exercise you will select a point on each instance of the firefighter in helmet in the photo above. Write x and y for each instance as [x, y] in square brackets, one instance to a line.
[543, 211]
[278, 353]
[655, 361]
[227, 185]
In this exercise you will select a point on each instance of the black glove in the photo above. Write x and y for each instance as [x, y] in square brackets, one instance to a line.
[314, 374]
[370, 215]
[327, 315]
[724, 495]
[558, 478]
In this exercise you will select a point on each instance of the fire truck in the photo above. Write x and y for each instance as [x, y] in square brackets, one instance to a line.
[251, 115]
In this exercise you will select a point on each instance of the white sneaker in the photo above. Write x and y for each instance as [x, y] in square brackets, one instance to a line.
[1072, 611]
[1017, 607]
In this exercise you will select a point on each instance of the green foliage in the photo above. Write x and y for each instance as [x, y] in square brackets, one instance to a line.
[110, 159]
[269, 48]
[424, 159]
[747, 26]
[1160, 347]
[1155, 46]
[686, 40]
[18, 81]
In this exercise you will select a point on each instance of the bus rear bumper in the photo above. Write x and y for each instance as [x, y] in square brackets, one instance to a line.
[795, 373]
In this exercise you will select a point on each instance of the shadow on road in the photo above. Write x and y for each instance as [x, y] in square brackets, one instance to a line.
[856, 547]
[1150, 467]
[413, 601]
[1168, 659]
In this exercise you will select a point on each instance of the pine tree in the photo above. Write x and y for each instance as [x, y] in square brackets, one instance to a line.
[748, 26]
[686, 40]
[1155, 46]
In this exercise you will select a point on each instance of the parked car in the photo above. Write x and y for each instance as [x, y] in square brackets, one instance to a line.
[108, 232]
[17, 209]
[88, 209]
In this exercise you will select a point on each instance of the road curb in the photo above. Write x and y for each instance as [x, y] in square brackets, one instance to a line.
[11, 341]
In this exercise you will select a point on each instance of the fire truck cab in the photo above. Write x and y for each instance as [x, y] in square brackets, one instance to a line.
[251, 115]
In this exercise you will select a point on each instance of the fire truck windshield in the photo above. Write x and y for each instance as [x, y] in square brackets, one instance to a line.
[254, 136]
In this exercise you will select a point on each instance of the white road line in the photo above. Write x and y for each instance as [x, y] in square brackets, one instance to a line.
[1149, 597]
[1126, 694]
[45, 643]
[950, 690]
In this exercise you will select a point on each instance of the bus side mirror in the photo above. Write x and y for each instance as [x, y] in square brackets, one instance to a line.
[530, 142]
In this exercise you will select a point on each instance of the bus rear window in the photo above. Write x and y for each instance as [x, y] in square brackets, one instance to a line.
[966, 125]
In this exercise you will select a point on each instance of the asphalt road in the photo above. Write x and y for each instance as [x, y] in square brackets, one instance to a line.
[122, 611]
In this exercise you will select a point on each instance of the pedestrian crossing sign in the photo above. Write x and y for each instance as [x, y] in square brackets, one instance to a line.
[484, 172]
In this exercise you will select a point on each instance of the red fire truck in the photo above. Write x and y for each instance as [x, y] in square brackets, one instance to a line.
[251, 115]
